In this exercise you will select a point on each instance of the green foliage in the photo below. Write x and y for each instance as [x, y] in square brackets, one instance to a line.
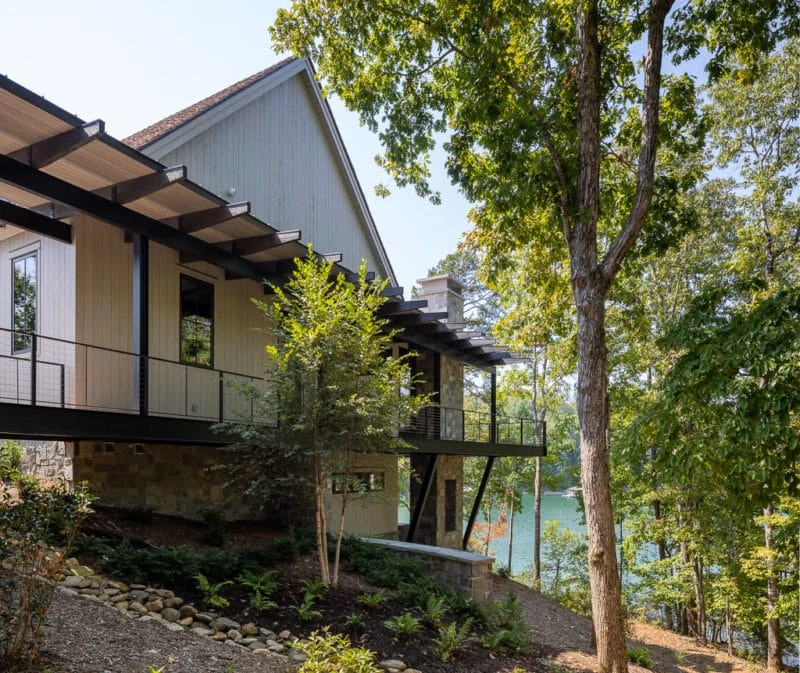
[564, 573]
[435, 609]
[262, 585]
[313, 589]
[452, 639]
[176, 567]
[305, 610]
[334, 393]
[373, 600]
[10, 458]
[36, 533]
[332, 653]
[354, 620]
[641, 656]
[211, 591]
[507, 630]
[404, 625]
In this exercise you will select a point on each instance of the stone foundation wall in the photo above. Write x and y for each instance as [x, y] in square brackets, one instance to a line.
[49, 460]
[167, 478]
[464, 571]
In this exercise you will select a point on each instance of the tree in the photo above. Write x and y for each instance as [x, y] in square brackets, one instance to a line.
[539, 101]
[336, 389]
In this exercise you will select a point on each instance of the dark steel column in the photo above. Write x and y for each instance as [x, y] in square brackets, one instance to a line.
[425, 489]
[141, 313]
[493, 409]
[478, 498]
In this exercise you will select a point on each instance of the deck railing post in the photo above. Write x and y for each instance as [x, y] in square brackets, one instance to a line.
[33, 369]
[221, 400]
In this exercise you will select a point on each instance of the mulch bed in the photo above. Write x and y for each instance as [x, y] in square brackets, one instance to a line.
[335, 606]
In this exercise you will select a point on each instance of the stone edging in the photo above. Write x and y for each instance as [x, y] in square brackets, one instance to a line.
[145, 603]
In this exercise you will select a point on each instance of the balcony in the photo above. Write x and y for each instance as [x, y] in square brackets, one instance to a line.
[68, 390]
[473, 433]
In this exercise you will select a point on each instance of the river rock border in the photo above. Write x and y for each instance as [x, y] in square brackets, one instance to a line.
[145, 603]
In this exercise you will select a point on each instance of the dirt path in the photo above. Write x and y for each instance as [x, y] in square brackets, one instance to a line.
[568, 635]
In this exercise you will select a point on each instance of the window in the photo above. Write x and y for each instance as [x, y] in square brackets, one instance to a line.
[358, 482]
[449, 505]
[197, 321]
[24, 301]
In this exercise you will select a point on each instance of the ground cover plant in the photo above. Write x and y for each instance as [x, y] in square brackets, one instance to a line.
[385, 603]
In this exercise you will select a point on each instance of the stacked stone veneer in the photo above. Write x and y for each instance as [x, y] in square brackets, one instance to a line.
[50, 460]
[461, 570]
[171, 479]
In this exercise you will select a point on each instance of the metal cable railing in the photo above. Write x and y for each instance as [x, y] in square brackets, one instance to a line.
[61, 373]
[474, 426]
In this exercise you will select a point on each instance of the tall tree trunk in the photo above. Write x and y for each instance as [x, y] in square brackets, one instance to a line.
[699, 599]
[592, 402]
[662, 555]
[321, 523]
[774, 648]
[537, 525]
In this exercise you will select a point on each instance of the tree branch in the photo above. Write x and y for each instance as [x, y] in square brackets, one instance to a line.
[647, 153]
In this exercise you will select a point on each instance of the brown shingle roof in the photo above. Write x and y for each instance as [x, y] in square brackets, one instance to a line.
[149, 135]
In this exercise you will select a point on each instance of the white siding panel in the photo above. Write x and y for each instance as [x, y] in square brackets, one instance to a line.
[277, 155]
[55, 322]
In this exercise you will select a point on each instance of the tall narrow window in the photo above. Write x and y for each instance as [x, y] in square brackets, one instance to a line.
[24, 301]
[197, 321]
[449, 505]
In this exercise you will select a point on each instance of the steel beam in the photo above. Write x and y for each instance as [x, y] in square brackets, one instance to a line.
[424, 491]
[49, 150]
[32, 221]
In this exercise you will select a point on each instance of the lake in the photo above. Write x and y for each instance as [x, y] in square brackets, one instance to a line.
[554, 508]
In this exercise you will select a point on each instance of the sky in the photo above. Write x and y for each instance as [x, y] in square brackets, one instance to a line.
[134, 63]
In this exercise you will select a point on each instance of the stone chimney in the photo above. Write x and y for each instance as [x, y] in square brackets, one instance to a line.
[443, 294]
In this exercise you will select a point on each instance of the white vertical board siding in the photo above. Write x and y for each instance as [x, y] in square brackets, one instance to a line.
[105, 322]
[104, 317]
[276, 154]
[55, 321]
[239, 338]
[372, 513]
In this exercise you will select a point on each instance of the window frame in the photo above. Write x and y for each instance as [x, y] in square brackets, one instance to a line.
[373, 480]
[181, 359]
[34, 254]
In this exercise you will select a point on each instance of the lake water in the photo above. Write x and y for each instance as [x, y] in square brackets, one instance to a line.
[554, 508]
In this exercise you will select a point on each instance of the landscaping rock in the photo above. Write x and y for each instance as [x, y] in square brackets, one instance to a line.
[249, 629]
[170, 615]
[392, 665]
[187, 611]
[224, 624]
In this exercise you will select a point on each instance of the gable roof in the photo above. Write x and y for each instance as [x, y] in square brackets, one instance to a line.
[149, 135]
[160, 138]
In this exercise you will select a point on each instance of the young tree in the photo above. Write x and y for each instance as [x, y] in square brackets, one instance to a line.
[337, 390]
[540, 100]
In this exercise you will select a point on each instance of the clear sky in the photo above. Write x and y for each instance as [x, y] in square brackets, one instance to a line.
[133, 63]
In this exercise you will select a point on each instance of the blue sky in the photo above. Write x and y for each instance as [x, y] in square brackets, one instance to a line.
[133, 63]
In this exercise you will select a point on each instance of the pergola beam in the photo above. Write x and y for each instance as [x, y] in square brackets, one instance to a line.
[254, 244]
[122, 192]
[392, 291]
[49, 150]
[333, 257]
[32, 221]
[412, 319]
[394, 307]
[55, 189]
[190, 223]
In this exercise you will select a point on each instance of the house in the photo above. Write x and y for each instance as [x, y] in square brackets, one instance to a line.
[125, 287]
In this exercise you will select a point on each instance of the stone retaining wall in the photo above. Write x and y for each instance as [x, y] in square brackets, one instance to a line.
[462, 570]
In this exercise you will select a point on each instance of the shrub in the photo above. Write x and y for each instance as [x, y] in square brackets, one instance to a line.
[211, 591]
[452, 639]
[30, 566]
[507, 630]
[640, 656]
[10, 458]
[435, 609]
[262, 586]
[404, 626]
[372, 600]
[326, 653]
[305, 610]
